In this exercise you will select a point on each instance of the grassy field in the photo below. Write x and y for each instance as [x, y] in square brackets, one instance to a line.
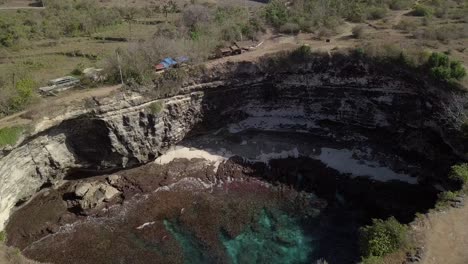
[46, 59]
[445, 29]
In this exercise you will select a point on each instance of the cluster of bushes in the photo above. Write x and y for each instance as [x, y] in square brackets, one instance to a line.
[381, 238]
[458, 174]
[61, 18]
[442, 68]
[440, 9]
[136, 63]
[442, 33]
[222, 24]
[312, 15]
[422, 10]
[407, 25]
[447, 9]
[438, 65]
[17, 96]
[400, 4]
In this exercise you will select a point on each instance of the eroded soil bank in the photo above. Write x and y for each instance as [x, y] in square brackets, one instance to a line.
[223, 197]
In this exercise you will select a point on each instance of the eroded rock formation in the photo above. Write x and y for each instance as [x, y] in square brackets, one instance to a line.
[346, 100]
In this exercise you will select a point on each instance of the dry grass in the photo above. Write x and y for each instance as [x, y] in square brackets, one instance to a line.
[16, 3]
[43, 67]
[180, 3]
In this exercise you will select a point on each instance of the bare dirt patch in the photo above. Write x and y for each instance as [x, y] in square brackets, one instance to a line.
[446, 237]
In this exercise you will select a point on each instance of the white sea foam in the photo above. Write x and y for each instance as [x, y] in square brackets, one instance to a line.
[342, 160]
[145, 225]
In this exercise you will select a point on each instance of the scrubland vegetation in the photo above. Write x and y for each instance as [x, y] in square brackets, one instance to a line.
[156, 107]
[382, 237]
[312, 16]
[36, 45]
[459, 175]
[10, 135]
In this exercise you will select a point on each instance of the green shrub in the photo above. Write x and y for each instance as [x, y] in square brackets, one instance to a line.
[441, 68]
[356, 13]
[400, 4]
[61, 18]
[10, 135]
[10, 33]
[443, 33]
[78, 71]
[459, 173]
[438, 59]
[301, 53]
[374, 13]
[156, 107]
[382, 237]
[445, 199]
[441, 73]
[24, 92]
[458, 72]
[422, 10]
[290, 28]
[407, 25]
[2, 236]
[276, 13]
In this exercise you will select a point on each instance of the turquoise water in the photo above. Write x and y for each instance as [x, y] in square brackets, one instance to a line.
[275, 238]
[192, 249]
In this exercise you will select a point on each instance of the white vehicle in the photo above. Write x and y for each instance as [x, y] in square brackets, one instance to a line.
[60, 84]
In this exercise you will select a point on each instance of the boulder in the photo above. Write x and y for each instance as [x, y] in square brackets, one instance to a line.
[113, 179]
[94, 195]
[82, 188]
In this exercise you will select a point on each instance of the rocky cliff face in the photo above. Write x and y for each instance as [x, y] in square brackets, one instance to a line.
[347, 102]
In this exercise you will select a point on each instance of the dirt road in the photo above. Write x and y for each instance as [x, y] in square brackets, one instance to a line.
[46, 105]
[446, 237]
[21, 7]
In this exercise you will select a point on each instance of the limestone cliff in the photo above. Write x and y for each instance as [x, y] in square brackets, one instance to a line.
[335, 99]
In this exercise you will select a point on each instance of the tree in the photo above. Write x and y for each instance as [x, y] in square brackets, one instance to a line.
[276, 13]
[169, 7]
[10, 33]
[195, 15]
